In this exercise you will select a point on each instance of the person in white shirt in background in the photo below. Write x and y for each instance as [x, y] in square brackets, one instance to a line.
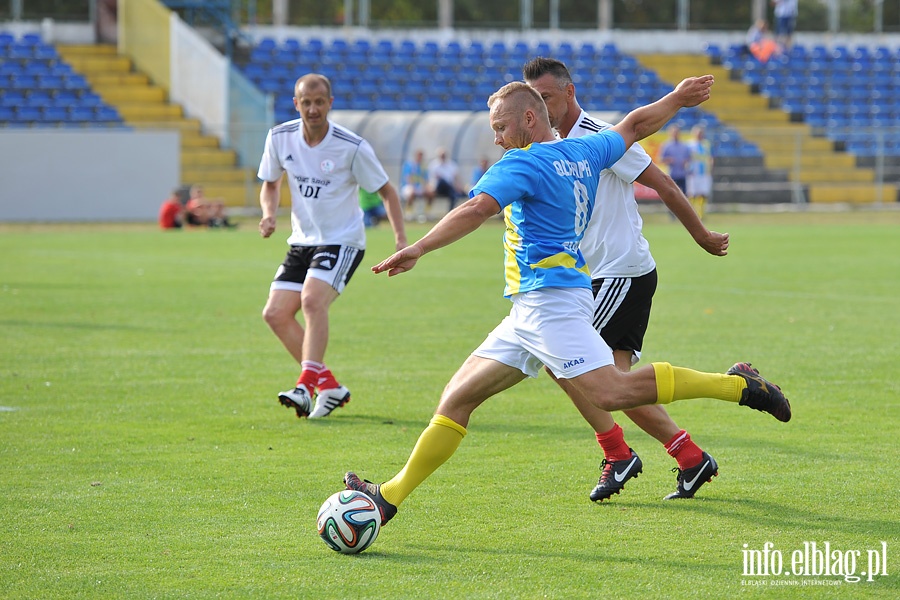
[324, 165]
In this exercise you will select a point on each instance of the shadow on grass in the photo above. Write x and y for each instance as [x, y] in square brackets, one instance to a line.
[766, 513]
[436, 554]
[77, 326]
[355, 420]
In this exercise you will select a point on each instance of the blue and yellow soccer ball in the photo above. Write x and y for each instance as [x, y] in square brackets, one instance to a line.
[349, 522]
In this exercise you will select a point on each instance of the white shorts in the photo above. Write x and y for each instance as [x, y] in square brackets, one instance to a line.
[699, 185]
[551, 327]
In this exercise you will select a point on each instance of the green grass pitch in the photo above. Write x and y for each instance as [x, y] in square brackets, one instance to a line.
[143, 453]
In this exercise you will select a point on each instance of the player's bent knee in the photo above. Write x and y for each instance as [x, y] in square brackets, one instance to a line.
[275, 316]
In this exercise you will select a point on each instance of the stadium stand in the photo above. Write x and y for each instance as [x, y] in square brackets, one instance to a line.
[91, 86]
[845, 98]
[41, 89]
[404, 75]
[806, 126]
[118, 89]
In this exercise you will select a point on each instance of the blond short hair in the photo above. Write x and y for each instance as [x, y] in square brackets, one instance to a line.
[521, 97]
[312, 80]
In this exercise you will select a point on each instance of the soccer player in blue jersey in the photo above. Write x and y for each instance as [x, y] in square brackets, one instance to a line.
[546, 189]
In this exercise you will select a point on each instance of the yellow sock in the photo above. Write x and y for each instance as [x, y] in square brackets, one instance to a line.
[436, 444]
[699, 204]
[679, 383]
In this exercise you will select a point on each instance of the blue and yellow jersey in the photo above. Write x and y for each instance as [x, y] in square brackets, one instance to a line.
[701, 157]
[547, 193]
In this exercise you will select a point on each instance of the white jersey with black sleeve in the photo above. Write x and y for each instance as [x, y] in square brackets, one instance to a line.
[324, 181]
[613, 244]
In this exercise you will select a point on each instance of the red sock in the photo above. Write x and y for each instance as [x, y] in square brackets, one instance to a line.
[326, 380]
[684, 450]
[310, 374]
[613, 444]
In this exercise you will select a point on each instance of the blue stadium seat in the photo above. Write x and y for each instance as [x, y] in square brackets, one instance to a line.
[28, 114]
[497, 51]
[384, 47]
[36, 68]
[314, 45]
[90, 99]
[82, 114]
[12, 97]
[270, 86]
[261, 56]
[390, 86]
[280, 72]
[49, 82]
[475, 48]
[38, 97]
[883, 54]
[55, 114]
[286, 56]
[254, 70]
[430, 48]
[108, 114]
[267, 43]
[30, 39]
[23, 82]
[11, 68]
[20, 52]
[820, 52]
[61, 69]
[45, 52]
[564, 52]
[7, 114]
[65, 98]
[75, 82]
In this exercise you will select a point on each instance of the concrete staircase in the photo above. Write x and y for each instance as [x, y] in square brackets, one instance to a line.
[826, 174]
[144, 105]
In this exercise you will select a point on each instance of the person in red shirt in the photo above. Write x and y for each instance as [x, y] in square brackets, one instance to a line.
[171, 213]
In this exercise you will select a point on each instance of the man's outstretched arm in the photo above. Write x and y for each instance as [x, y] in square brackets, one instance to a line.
[712, 241]
[461, 221]
[647, 120]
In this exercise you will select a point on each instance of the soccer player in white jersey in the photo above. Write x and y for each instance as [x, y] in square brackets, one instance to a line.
[623, 275]
[546, 189]
[324, 165]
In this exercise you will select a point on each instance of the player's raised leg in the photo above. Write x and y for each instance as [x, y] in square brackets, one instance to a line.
[662, 383]
[476, 380]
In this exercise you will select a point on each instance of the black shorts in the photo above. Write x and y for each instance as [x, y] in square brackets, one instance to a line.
[333, 264]
[622, 309]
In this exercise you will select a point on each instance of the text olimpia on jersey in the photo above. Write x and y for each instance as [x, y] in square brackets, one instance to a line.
[613, 243]
[547, 192]
[324, 181]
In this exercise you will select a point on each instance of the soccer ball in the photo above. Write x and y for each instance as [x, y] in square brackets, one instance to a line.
[349, 522]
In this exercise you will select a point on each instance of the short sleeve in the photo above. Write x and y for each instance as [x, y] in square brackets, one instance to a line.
[634, 162]
[367, 169]
[270, 168]
[509, 179]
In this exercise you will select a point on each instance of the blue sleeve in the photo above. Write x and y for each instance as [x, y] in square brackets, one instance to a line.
[509, 179]
[608, 146]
